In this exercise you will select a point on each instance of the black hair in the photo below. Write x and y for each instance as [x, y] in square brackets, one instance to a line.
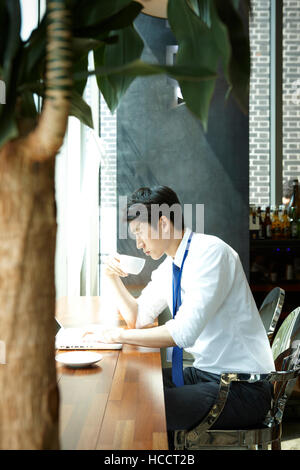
[143, 202]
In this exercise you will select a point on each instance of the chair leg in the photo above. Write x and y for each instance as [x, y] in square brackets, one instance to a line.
[276, 445]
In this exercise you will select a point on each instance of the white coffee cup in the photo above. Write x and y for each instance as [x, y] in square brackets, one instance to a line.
[131, 264]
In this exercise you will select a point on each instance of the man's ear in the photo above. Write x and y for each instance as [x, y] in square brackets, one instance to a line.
[164, 223]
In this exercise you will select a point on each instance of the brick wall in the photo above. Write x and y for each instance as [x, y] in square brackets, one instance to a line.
[108, 188]
[108, 134]
[259, 116]
[259, 131]
[291, 89]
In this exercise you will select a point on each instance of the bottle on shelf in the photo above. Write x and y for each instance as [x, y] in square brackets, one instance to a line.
[289, 274]
[294, 223]
[276, 224]
[253, 223]
[260, 223]
[285, 225]
[294, 210]
[289, 267]
[294, 197]
[268, 224]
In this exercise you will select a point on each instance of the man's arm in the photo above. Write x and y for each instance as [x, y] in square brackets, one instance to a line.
[156, 337]
[126, 303]
[142, 311]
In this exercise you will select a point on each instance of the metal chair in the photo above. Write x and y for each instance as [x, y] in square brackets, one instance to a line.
[270, 310]
[286, 353]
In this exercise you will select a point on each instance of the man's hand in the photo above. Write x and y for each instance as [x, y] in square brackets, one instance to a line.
[104, 334]
[112, 267]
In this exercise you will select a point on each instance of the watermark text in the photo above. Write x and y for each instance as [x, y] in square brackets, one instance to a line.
[191, 214]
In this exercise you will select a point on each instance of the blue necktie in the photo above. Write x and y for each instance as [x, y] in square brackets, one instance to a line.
[177, 354]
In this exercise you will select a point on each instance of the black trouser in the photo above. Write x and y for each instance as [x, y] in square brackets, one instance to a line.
[247, 403]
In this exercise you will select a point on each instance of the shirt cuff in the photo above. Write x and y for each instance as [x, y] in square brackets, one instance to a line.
[148, 310]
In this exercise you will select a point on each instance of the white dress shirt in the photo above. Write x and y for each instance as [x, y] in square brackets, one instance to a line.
[218, 321]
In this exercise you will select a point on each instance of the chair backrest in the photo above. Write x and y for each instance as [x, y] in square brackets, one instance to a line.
[286, 354]
[270, 310]
[288, 335]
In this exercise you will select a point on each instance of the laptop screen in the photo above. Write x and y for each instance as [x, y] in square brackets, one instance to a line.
[57, 327]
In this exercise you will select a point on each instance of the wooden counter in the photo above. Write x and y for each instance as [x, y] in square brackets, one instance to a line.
[119, 402]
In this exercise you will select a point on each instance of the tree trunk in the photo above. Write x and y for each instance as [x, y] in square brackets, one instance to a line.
[29, 393]
[29, 396]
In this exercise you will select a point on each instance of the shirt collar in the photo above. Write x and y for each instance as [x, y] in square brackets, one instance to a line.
[181, 249]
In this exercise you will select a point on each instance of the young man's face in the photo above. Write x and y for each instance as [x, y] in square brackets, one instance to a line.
[153, 242]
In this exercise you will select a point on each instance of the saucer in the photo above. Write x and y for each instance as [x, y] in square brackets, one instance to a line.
[78, 359]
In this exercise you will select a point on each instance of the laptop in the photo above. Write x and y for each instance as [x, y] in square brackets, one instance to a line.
[71, 338]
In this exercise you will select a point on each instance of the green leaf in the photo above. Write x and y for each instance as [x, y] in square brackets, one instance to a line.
[122, 19]
[128, 48]
[140, 68]
[12, 41]
[10, 56]
[89, 12]
[80, 67]
[220, 36]
[35, 52]
[239, 66]
[82, 46]
[72, 3]
[247, 4]
[8, 125]
[236, 4]
[4, 23]
[81, 110]
[36, 87]
[27, 108]
[195, 46]
[202, 9]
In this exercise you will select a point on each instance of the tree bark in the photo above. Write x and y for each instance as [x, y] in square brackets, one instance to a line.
[29, 393]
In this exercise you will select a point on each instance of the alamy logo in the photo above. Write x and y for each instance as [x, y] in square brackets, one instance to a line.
[139, 212]
[2, 92]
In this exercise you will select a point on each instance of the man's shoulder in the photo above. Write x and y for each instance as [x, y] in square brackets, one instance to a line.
[205, 243]
[204, 240]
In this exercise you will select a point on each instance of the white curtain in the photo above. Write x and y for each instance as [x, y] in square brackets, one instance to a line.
[77, 192]
[77, 196]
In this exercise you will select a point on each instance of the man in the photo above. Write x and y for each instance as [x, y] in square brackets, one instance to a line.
[216, 319]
